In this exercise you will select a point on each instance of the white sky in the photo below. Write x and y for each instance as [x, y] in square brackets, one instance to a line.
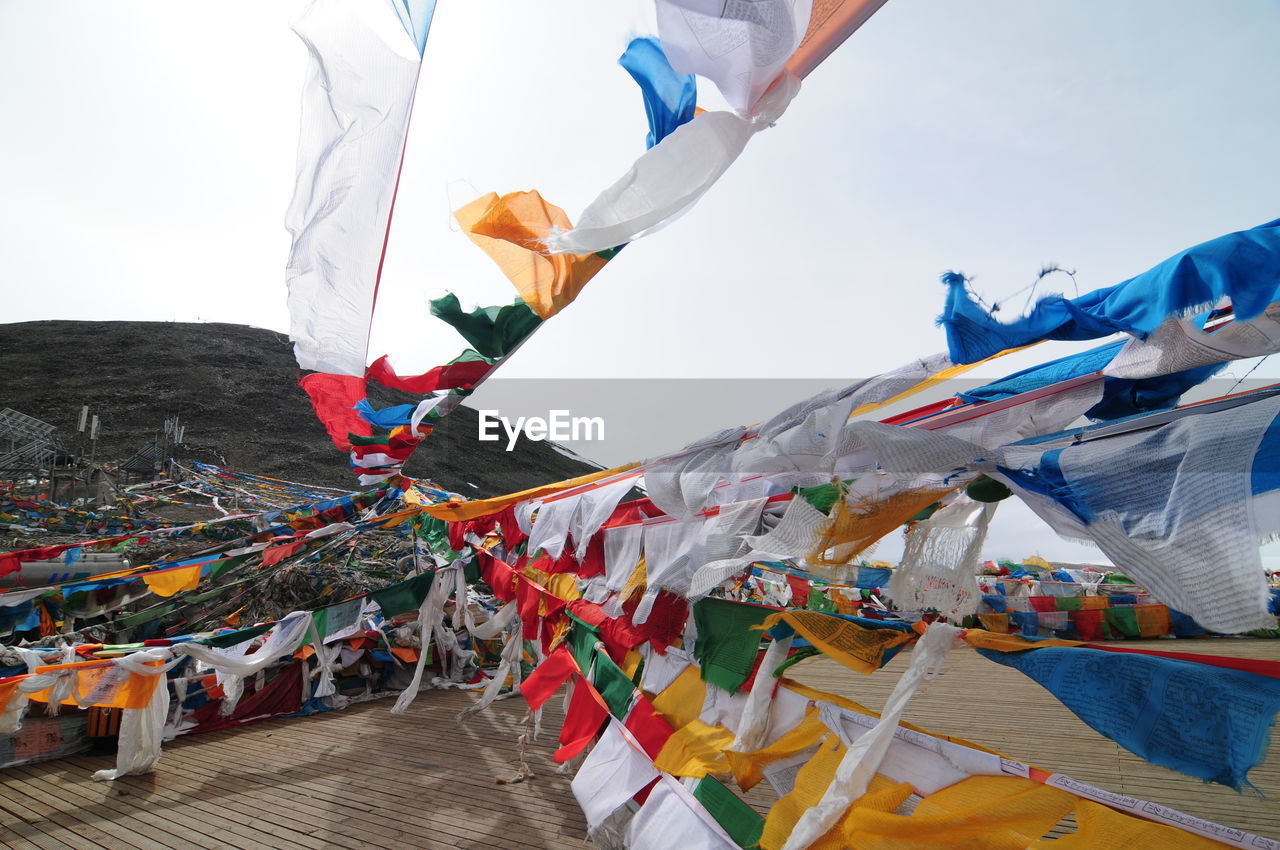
[147, 158]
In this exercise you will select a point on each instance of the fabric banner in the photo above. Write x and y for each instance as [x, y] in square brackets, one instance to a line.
[513, 230]
[670, 177]
[405, 596]
[728, 644]
[494, 332]
[672, 817]
[461, 373]
[334, 397]
[860, 647]
[356, 101]
[1208, 722]
[669, 98]
[1163, 502]
[169, 582]
[741, 47]
[615, 771]
[1244, 266]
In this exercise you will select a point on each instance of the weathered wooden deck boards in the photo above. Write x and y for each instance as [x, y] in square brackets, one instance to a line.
[364, 778]
[355, 778]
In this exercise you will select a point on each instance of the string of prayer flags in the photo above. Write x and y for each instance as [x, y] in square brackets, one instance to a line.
[1209, 722]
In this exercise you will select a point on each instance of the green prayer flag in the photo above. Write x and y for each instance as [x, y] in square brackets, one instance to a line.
[233, 638]
[436, 532]
[333, 619]
[818, 601]
[1068, 603]
[582, 641]
[612, 684]
[219, 568]
[214, 592]
[151, 614]
[744, 824]
[403, 596]
[823, 497]
[1122, 621]
[378, 438]
[727, 645]
[985, 489]
[492, 331]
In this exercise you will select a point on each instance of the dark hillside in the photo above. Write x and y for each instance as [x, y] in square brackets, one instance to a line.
[235, 389]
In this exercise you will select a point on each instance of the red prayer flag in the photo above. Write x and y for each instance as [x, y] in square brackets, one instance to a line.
[587, 713]
[649, 727]
[547, 678]
[334, 397]
[452, 376]
[1088, 624]
[276, 554]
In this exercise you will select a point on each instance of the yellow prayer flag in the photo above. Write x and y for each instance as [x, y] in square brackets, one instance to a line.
[695, 749]
[981, 639]
[169, 582]
[991, 812]
[681, 701]
[854, 646]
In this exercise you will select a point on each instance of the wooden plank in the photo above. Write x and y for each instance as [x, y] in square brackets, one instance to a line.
[142, 821]
[34, 837]
[221, 823]
[337, 789]
[17, 843]
[65, 811]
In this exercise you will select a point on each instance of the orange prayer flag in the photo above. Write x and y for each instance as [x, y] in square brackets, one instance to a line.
[103, 684]
[511, 230]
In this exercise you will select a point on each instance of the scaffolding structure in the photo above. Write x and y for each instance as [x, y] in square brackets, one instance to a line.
[30, 447]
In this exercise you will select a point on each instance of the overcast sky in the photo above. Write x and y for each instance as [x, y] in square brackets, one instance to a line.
[148, 156]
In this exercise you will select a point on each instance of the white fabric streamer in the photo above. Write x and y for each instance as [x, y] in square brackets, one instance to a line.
[941, 559]
[355, 112]
[142, 729]
[615, 770]
[795, 535]
[1178, 344]
[740, 45]
[621, 554]
[670, 177]
[551, 528]
[755, 717]
[430, 616]
[286, 637]
[661, 669]
[594, 508]
[509, 665]
[1164, 503]
[673, 550]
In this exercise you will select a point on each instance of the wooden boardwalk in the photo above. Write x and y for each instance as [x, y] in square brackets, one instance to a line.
[364, 778]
